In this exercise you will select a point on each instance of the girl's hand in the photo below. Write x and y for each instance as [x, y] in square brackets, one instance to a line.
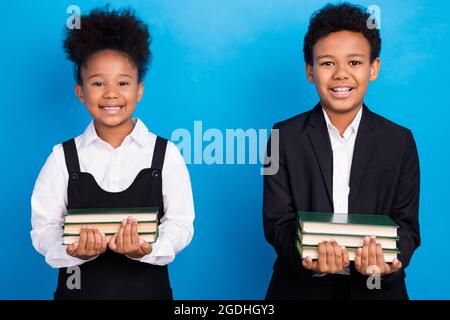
[91, 244]
[127, 241]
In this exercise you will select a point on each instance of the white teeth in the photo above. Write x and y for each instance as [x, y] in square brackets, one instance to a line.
[113, 108]
[343, 89]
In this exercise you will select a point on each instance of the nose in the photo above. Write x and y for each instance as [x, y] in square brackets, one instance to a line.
[340, 73]
[110, 92]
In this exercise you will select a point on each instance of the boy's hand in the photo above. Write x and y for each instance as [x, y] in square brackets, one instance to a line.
[371, 254]
[91, 244]
[126, 240]
[332, 258]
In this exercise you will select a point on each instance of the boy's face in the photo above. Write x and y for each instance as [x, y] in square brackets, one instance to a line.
[110, 88]
[341, 70]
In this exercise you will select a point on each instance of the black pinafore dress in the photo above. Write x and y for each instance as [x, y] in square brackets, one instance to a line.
[112, 275]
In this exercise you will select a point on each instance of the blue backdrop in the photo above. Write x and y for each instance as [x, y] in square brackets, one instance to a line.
[230, 64]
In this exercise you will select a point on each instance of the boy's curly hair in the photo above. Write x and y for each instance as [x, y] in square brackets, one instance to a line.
[340, 17]
[103, 29]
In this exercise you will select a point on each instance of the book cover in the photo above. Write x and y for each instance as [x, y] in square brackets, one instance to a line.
[350, 218]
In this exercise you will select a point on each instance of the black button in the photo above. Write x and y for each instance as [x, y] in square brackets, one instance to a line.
[155, 173]
[75, 176]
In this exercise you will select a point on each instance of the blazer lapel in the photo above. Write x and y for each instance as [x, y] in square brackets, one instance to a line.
[365, 139]
[321, 145]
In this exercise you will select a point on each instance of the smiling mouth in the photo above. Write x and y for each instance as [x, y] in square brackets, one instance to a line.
[112, 108]
[341, 92]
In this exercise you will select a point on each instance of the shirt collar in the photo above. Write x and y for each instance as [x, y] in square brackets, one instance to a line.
[138, 134]
[352, 128]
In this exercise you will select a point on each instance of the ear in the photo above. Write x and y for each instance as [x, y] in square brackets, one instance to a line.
[309, 72]
[140, 91]
[79, 93]
[374, 69]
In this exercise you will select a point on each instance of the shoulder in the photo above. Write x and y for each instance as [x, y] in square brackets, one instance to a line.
[296, 121]
[389, 129]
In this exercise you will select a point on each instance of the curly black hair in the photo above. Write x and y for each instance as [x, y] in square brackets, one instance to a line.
[339, 17]
[102, 29]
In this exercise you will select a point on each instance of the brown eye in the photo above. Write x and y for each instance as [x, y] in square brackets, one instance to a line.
[355, 62]
[327, 63]
[123, 83]
[97, 84]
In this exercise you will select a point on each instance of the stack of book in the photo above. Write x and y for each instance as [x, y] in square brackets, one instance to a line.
[348, 230]
[108, 222]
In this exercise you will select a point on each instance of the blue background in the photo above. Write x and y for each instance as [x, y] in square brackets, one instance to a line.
[230, 64]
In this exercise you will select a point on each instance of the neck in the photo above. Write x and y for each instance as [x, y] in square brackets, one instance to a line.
[341, 120]
[114, 135]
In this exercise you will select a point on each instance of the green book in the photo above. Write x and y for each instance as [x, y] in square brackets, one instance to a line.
[345, 240]
[110, 215]
[311, 251]
[347, 224]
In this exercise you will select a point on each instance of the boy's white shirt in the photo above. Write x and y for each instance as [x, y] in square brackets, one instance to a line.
[342, 147]
[114, 170]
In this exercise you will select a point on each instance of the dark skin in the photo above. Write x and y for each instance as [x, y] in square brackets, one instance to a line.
[341, 72]
[110, 90]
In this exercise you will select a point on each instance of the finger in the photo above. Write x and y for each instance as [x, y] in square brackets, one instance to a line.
[104, 243]
[307, 263]
[365, 255]
[90, 242]
[337, 256]
[97, 241]
[145, 246]
[396, 265]
[82, 240]
[345, 257]
[127, 236]
[322, 259]
[372, 252]
[331, 259]
[71, 248]
[119, 238]
[357, 261]
[134, 234]
[112, 243]
[380, 259]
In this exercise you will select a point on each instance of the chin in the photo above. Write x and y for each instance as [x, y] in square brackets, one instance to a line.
[341, 106]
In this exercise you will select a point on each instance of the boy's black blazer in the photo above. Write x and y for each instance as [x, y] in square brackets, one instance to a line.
[384, 179]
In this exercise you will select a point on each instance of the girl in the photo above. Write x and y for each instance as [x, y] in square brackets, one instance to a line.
[116, 162]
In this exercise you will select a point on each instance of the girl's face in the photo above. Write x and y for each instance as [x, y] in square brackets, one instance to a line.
[110, 88]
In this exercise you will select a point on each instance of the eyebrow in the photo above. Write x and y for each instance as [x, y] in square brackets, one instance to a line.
[348, 56]
[101, 74]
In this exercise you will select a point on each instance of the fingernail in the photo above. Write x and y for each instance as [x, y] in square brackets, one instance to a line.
[359, 251]
[124, 222]
[366, 239]
[141, 241]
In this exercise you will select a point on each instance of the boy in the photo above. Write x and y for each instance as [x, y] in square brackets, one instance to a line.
[341, 157]
[117, 163]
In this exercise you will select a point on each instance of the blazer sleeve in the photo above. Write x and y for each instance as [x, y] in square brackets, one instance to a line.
[405, 208]
[279, 214]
